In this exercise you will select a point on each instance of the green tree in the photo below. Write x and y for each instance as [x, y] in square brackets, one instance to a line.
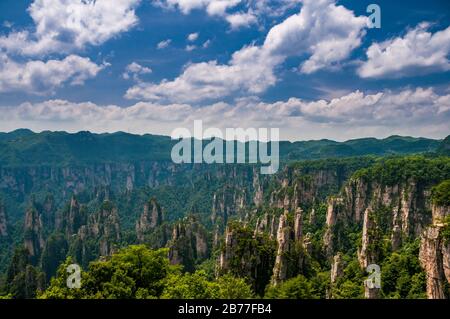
[401, 275]
[349, 290]
[189, 286]
[54, 253]
[133, 272]
[441, 193]
[295, 288]
[350, 285]
[23, 280]
[58, 288]
[230, 287]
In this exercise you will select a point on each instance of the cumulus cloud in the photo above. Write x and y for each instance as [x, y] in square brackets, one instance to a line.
[238, 13]
[418, 51]
[190, 48]
[248, 70]
[193, 37]
[38, 77]
[386, 108]
[383, 108]
[327, 33]
[419, 111]
[133, 70]
[241, 19]
[213, 7]
[163, 44]
[67, 25]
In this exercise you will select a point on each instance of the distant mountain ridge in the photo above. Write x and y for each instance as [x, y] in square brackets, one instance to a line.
[24, 147]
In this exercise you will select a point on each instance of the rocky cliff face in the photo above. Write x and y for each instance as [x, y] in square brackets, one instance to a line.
[33, 232]
[49, 212]
[435, 255]
[289, 258]
[258, 186]
[335, 213]
[267, 224]
[151, 218]
[102, 227]
[295, 187]
[228, 251]
[121, 176]
[368, 254]
[371, 293]
[71, 218]
[3, 222]
[247, 255]
[407, 201]
[19, 183]
[272, 252]
[337, 268]
[439, 213]
[228, 202]
[283, 240]
[397, 210]
[189, 244]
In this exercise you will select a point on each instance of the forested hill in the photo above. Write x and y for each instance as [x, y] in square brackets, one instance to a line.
[444, 147]
[26, 148]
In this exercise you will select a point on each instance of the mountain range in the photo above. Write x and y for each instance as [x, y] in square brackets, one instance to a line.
[24, 148]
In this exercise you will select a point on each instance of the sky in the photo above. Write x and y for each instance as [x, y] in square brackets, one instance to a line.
[315, 69]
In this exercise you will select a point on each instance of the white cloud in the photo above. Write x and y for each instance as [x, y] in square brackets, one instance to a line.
[193, 37]
[137, 68]
[60, 110]
[163, 44]
[206, 44]
[241, 19]
[232, 10]
[417, 112]
[402, 108]
[387, 108]
[190, 48]
[325, 32]
[38, 77]
[134, 70]
[248, 70]
[419, 51]
[213, 7]
[62, 26]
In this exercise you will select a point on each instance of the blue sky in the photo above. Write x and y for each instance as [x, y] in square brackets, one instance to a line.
[312, 68]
